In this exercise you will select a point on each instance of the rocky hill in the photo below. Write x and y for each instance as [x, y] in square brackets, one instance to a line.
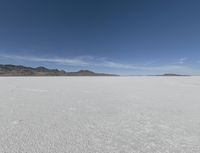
[19, 70]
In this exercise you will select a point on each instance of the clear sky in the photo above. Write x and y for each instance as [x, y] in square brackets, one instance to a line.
[115, 36]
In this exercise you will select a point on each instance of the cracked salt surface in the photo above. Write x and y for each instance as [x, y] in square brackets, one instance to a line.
[99, 114]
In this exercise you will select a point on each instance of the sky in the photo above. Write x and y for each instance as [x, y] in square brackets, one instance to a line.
[127, 37]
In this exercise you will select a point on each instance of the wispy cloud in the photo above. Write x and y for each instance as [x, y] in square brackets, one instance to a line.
[182, 60]
[90, 61]
[78, 61]
[164, 68]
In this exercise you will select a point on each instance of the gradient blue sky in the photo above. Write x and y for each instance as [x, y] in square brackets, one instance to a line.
[115, 36]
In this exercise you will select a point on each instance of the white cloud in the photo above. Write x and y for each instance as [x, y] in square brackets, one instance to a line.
[79, 61]
[115, 65]
[182, 60]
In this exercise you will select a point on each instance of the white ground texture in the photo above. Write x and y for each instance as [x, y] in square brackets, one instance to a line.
[99, 114]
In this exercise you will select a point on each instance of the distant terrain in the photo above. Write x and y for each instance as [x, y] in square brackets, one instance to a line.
[172, 74]
[19, 70]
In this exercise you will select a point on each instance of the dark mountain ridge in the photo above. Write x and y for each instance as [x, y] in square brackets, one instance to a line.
[172, 74]
[19, 70]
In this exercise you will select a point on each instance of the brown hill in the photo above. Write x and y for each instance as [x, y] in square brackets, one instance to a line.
[19, 70]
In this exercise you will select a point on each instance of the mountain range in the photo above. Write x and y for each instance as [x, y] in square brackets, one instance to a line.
[19, 70]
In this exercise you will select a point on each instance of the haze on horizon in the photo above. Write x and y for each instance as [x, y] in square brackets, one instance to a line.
[115, 36]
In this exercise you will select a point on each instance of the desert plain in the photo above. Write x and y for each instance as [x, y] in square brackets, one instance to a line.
[100, 114]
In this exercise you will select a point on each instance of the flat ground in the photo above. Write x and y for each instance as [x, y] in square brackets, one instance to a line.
[99, 114]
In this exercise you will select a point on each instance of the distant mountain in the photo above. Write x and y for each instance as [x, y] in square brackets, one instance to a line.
[172, 74]
[19, 70]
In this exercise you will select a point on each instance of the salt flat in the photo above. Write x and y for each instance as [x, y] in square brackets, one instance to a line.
[99, 114]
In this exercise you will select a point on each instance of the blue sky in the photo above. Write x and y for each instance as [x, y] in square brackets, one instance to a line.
[114, 36]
